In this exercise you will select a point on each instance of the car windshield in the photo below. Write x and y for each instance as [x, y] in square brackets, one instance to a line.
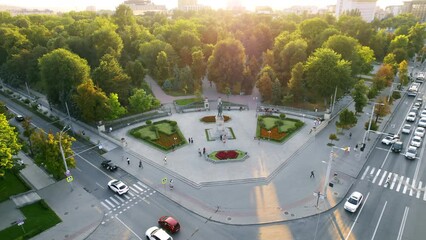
[122, 186]
[353, 201]
[412, 150]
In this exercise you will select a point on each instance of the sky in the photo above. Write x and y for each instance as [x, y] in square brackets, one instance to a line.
[78, 5]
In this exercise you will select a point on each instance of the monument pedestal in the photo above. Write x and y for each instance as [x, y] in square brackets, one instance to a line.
[220, 127]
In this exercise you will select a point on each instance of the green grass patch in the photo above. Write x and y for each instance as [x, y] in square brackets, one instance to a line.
[165, 128]
[39, 217]
[186, 101]
[11, 184]
[274, 129]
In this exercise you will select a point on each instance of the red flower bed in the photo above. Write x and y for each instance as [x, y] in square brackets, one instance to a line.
[275, 135]
[227, 154]
[168, 141]
[212, 119]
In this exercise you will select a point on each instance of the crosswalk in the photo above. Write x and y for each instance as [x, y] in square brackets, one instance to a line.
[136, 190]
[394, 181]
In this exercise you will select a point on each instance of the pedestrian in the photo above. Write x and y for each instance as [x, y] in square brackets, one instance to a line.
[387, 181]
[171, 184]
[83, 133]
[350, 135]
[110, 129]
[165, 160]
[192, 140]
[140, 164]
[312, 175]
[311, 130]
[189, 140]
[199, 152]
[204, 151]
[128, 161]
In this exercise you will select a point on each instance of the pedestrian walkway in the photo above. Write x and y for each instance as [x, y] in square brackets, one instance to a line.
[394, 181]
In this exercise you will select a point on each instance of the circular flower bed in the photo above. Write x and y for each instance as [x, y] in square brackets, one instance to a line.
[231, 154]
[212, 119]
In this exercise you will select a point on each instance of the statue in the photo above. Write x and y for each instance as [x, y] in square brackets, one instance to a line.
[219, 109]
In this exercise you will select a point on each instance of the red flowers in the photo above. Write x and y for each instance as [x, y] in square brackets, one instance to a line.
[231, 154]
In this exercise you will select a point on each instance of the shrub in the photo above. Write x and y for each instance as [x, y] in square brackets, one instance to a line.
[148, 122]
[279, 123]
[396, 95]
[299, 124]
[26, 101]
[173, 123]
[153, 128]
[282, 116]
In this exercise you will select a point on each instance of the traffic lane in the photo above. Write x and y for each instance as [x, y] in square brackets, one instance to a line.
[416, 218]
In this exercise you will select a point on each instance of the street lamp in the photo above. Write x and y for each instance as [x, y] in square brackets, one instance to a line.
[327, 174]
[67, 171]
[371, 119]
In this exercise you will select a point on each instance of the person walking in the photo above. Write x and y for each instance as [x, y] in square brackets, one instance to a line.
[140, 164]
[204, 151]
[171, 184]
[350, 135]
[387, 181]
[199, 152]
[165, 160]
[312, 174]
[128, 161]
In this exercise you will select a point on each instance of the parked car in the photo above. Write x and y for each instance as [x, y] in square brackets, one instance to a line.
[108, 165]
[411, 117]
[388, 140]
[19, 118]
[156, 233]
[118, 186]
[169, 224]
[406, 129]
[416, 141]
[417, 105]
[419, 132]
[415, 109]
[423, 114]
[422, 122]
[411, 152]
[353, 202]
[397, 147]
[420, 100]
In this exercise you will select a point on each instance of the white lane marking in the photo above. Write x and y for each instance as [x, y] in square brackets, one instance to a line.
[119, 198]
[78, 169]
[356, 219]
[424, 196]
[126, 196]
[383, 177]
[113, 199]
[386, 158]
[106, 206]
[143, 185]
[404, 220]
[394, 181]
[136, 186]
[378, 222]
[413, 185]
[100, 185]
[407, 180]
[399, 183]
[134, 190]
[365, 172]
[112, 205]
[131, 194]
[419, 190]
[128, 227]
[372, 170]
[377, 174]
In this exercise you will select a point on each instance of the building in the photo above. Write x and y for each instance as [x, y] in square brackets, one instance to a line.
[190, 5]
[299, 10]
[263, 10]
[417, 8]
[184, 3]
[141, 7]
[365, 7]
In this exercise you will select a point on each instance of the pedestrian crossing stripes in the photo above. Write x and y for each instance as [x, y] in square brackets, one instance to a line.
[394, 181]
[135, 190]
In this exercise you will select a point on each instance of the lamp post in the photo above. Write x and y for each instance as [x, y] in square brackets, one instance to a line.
[371, 119]
[67, 171]
[327, 174]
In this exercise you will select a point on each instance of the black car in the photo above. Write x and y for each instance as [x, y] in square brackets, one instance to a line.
[397, 147]
[19, 118]
[108, 165]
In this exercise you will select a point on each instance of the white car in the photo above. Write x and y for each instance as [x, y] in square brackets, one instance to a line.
[411, 152]
[411, 117]
[406, 129]
[417, 105]
[416, 141]
[390, 139]
[423, 114]
[156, 233]
[118, 186]
[353, 202]
[419, 132]
[422, 122]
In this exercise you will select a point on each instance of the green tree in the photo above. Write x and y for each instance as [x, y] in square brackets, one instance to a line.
[264, 84]
[163, 67]
[390, 60]
[277, 92]
[382, 108]
[91, 102]
[332, 137]
[403, 73]
[28, 131]
[359, 94]
[61, 72]
[140, 102]
[311, 30]
[296, 85]
[379, 44]
[293, 53]
[347, 119]
[198, 68]
[114, 105]
[9, 145]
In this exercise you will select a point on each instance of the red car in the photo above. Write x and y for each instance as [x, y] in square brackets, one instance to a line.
[168, 223]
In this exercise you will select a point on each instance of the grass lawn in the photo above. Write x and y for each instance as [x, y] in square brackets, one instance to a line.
[186, 101]
[165, 127]
[146, 132]
[287, 124]
[10, 185]
[39, 217]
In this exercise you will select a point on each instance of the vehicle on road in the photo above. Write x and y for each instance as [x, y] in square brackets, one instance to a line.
[411, 152]
[411, 117]
[415, 109]
[353, 202]
[108, 165]
[420, 77]
[397, 147]
[413, 89]
[420, 100]
[422, 122]
[19, 118]
[406, 129]
[388, 140]
[416, 141]
[118, 186]
[420, 131]
[169, 224]
[156, 233]
[417, 105]
[423, 114]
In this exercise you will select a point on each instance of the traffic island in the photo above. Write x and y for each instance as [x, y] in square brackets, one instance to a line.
[227, 156]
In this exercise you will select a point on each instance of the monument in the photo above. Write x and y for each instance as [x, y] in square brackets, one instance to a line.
[220, 121]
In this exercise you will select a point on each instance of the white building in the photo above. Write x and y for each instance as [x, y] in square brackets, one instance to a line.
[365, 7]
[140, 7]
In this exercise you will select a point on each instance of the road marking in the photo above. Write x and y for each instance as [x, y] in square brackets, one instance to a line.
[365, 173]
[106, 206]
[125, 195]
[378, 222]
[143, 185]
[134, 190]
[119, 198]
[394, 181]
[372, 170]
[419, 189]
[128, 227]
[404, 220]
[424, 196]
[78, 169]
[100, 185]
[407, 180]
[356, 219]
[399, 184]
[131, 194]
[136, 186]
[377, 174]
[115, 201]
[112, 205]
[381, 179]
[413, 185]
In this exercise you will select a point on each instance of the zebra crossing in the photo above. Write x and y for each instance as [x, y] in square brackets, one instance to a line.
[395, 182]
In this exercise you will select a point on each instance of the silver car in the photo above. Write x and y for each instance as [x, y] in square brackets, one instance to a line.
[422, 122]
[406, 129]
[411, 152]
[419, 132]
[416, 141]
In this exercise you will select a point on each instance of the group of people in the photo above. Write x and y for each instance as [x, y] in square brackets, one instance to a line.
[204, 151]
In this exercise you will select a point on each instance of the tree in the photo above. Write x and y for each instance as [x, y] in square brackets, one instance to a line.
[310, 30]
[140, 102]
[28, 131]
[359, 94]
[347, 119]
[379, 43]
[61, 72]
[332, 137]
[382, 108]
[47, 152]
[116, 110]
[264, 84]
[293, 53]
[198, 68]
[403, 73]
[277, 92]
[91, 102]
[383, 77]
[390, 60]
[9, 145]
[296, 85]
[162, 71]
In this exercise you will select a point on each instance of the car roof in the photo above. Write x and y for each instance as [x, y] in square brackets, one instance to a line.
[356, 195]
[169, 220]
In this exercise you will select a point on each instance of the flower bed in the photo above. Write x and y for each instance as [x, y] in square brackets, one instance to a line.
[227, 154]
[212, 119]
